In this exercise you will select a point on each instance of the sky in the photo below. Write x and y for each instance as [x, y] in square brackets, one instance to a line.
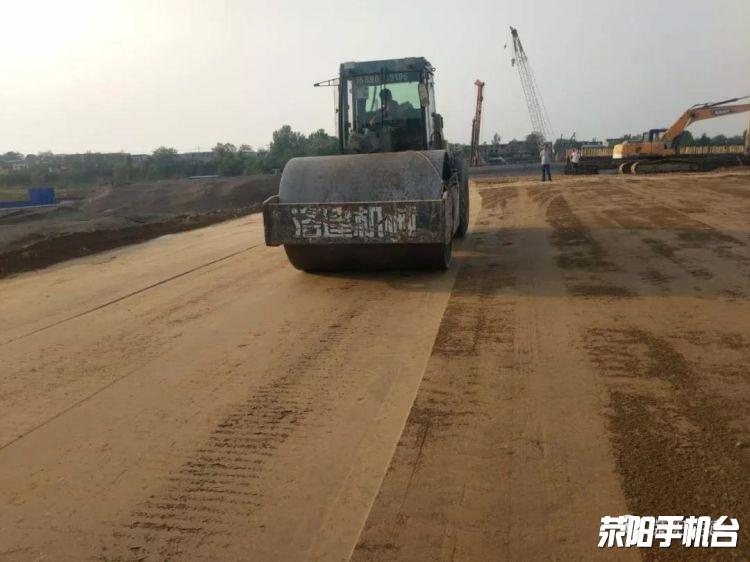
[112, 75]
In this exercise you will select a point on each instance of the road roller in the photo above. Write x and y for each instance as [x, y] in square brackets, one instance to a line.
[394, 198]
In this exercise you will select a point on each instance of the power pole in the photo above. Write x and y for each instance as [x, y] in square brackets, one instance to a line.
[539, 120]
[476, 125]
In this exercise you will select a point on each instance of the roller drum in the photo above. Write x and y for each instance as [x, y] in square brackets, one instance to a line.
[399, 176]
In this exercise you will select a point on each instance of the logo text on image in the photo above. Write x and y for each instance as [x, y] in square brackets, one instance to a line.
[624, 531]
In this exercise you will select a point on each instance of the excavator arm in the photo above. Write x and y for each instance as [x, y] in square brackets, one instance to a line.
[662, 152]
[708, 111]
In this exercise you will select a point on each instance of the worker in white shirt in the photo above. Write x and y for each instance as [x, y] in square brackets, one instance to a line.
[546, 155]
[575, 158]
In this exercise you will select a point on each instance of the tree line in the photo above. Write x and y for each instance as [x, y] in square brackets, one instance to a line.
[96, 168]
[226, 159]
[528, 147]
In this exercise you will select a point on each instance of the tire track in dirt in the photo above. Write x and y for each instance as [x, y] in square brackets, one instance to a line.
[225, 478]
[440, 488]
[261, 430]
[578, 251]
[678, 425]
[676, 448]
[618, 218]
[676, 226]
[485, 469]
[53, 379]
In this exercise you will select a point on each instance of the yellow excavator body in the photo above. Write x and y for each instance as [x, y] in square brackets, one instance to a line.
[661, 143]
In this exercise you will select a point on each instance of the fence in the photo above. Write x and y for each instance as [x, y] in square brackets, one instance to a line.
[606, 152]
[728, 149]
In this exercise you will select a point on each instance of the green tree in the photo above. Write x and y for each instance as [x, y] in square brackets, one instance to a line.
[686, 139]
[228, 160]
[532, 142]
[286, 144]
[11, 155]
[122, 171]
[38, 176]
[232, 165]
[736, 139]
[703, 140]
[321, 143]
[254, 164]
[163, 163]
[222, 150]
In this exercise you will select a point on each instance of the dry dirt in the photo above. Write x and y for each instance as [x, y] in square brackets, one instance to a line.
[196, 398]
[109, 217]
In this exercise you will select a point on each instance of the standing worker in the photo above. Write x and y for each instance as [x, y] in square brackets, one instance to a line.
[575, 158]
[546, 155]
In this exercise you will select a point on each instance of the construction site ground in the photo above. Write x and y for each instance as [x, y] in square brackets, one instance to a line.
[89, 220]
[195, 397]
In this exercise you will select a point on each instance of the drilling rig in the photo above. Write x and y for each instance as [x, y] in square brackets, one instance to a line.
[540, 123]
[476, 125]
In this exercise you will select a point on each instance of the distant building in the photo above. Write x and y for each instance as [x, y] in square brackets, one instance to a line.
[139, 158]
[13, 165]
[196, 156]
[493, 153]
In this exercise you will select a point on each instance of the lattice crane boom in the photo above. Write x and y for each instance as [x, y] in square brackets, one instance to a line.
[540, 122]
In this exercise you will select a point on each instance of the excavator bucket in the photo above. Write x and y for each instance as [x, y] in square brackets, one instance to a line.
[365, 211]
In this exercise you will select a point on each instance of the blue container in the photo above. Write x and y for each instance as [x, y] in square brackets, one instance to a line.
[42, 195]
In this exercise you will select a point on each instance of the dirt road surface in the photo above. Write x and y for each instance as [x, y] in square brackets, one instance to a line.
[196, 398]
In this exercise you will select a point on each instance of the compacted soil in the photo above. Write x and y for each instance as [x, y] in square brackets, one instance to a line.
[194, 397]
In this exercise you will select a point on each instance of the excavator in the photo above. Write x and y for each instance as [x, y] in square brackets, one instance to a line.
[394, 198]
[660, 149]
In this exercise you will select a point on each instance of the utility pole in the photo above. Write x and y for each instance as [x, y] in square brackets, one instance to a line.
[539, 120]
[476, 125]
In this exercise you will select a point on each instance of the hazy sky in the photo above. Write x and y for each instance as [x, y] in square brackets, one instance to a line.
[133, 75]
